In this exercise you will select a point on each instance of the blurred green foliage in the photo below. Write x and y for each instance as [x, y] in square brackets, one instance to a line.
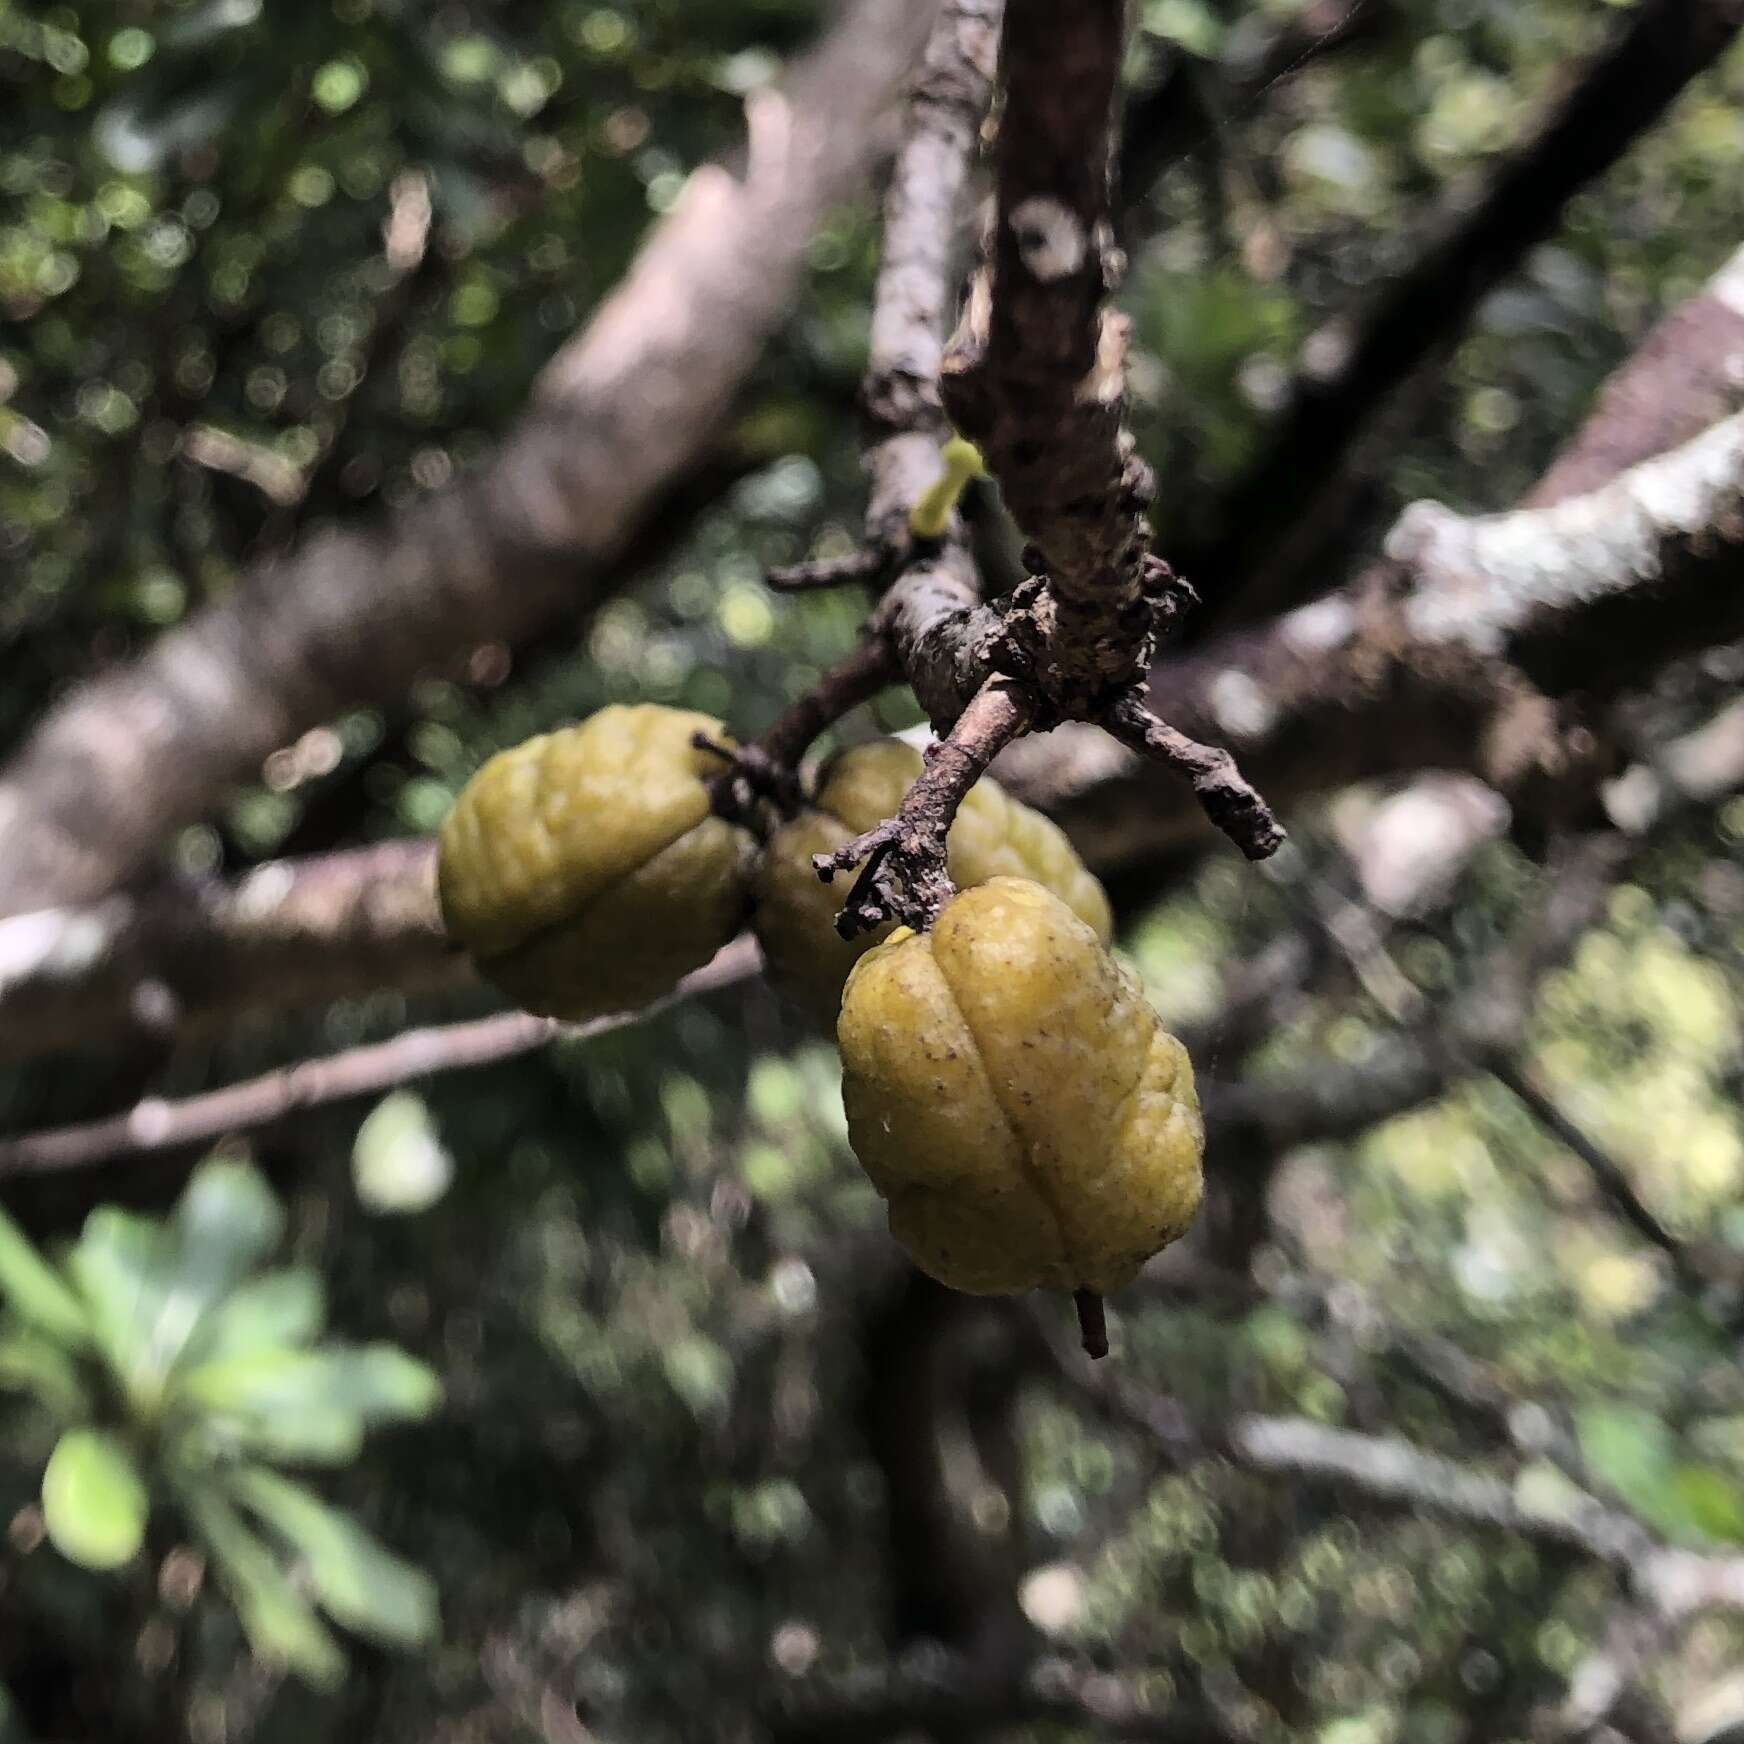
[168, 1368]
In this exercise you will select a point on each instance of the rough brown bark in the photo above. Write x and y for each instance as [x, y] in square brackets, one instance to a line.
[1035, 374]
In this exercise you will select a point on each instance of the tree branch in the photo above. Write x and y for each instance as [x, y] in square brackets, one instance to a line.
[154, 1126]
[187, 959]
[905, 875]
[1420, 665]
[1391, 1472]
[353, 617]
[1275, 528]
[1035, 373]
[1683, 377]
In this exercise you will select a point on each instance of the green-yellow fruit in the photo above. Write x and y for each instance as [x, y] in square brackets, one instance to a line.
[584, 870]
[993, 835]
[1016, 1100]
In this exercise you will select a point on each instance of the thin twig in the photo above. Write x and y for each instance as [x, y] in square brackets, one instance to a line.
[768, 766]
[1092, 1323]
[863, 565]
[155, 1125]
[905, 873]
[1229, 800]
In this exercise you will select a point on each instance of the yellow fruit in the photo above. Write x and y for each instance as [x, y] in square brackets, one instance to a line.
[1016, 1100]
[993, 835]
[584, 870]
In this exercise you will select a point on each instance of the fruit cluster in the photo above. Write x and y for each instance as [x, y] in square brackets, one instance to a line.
[1008, 1089]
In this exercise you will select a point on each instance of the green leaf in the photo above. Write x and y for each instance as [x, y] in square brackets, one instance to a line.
[280, 1623]
[360, 1582]
[93, 1500]
[1190, 23]
[151, 1286]
[37, 1293]
[1631, 1452]
[227, 1221]
[376, 1382]
[276, 1311]
[123, 1266]
[1712, 1500]
[322, 1436]
[398, 1163]
[34, 1364]
[1626, 1448]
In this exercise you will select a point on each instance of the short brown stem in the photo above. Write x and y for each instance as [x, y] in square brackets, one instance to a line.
[767, 766]
[1092, 1323]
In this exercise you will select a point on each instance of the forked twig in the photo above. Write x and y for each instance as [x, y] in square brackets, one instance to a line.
[905, 874]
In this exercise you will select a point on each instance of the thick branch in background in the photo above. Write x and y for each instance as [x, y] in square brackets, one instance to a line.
[1336, 691]
[353, 617]
[1281, 522]
[1686, 374]
[188, 959]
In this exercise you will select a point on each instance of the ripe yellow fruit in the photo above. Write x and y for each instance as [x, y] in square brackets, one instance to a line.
[992, 835]
[1016, 1100]
[584, 870]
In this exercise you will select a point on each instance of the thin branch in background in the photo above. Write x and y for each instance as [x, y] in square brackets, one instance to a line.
[1389, 1471]
[1352, 930]
[862, 567]
[1611, 1178]
[408, 266]
[1169, 120]
[155, 1126]
[949, 1698]
[281, 481]
[189, 957]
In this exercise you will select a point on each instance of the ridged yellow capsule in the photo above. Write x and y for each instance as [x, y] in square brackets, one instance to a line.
[992, 835]
[584, 870]
[1016, 1100]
